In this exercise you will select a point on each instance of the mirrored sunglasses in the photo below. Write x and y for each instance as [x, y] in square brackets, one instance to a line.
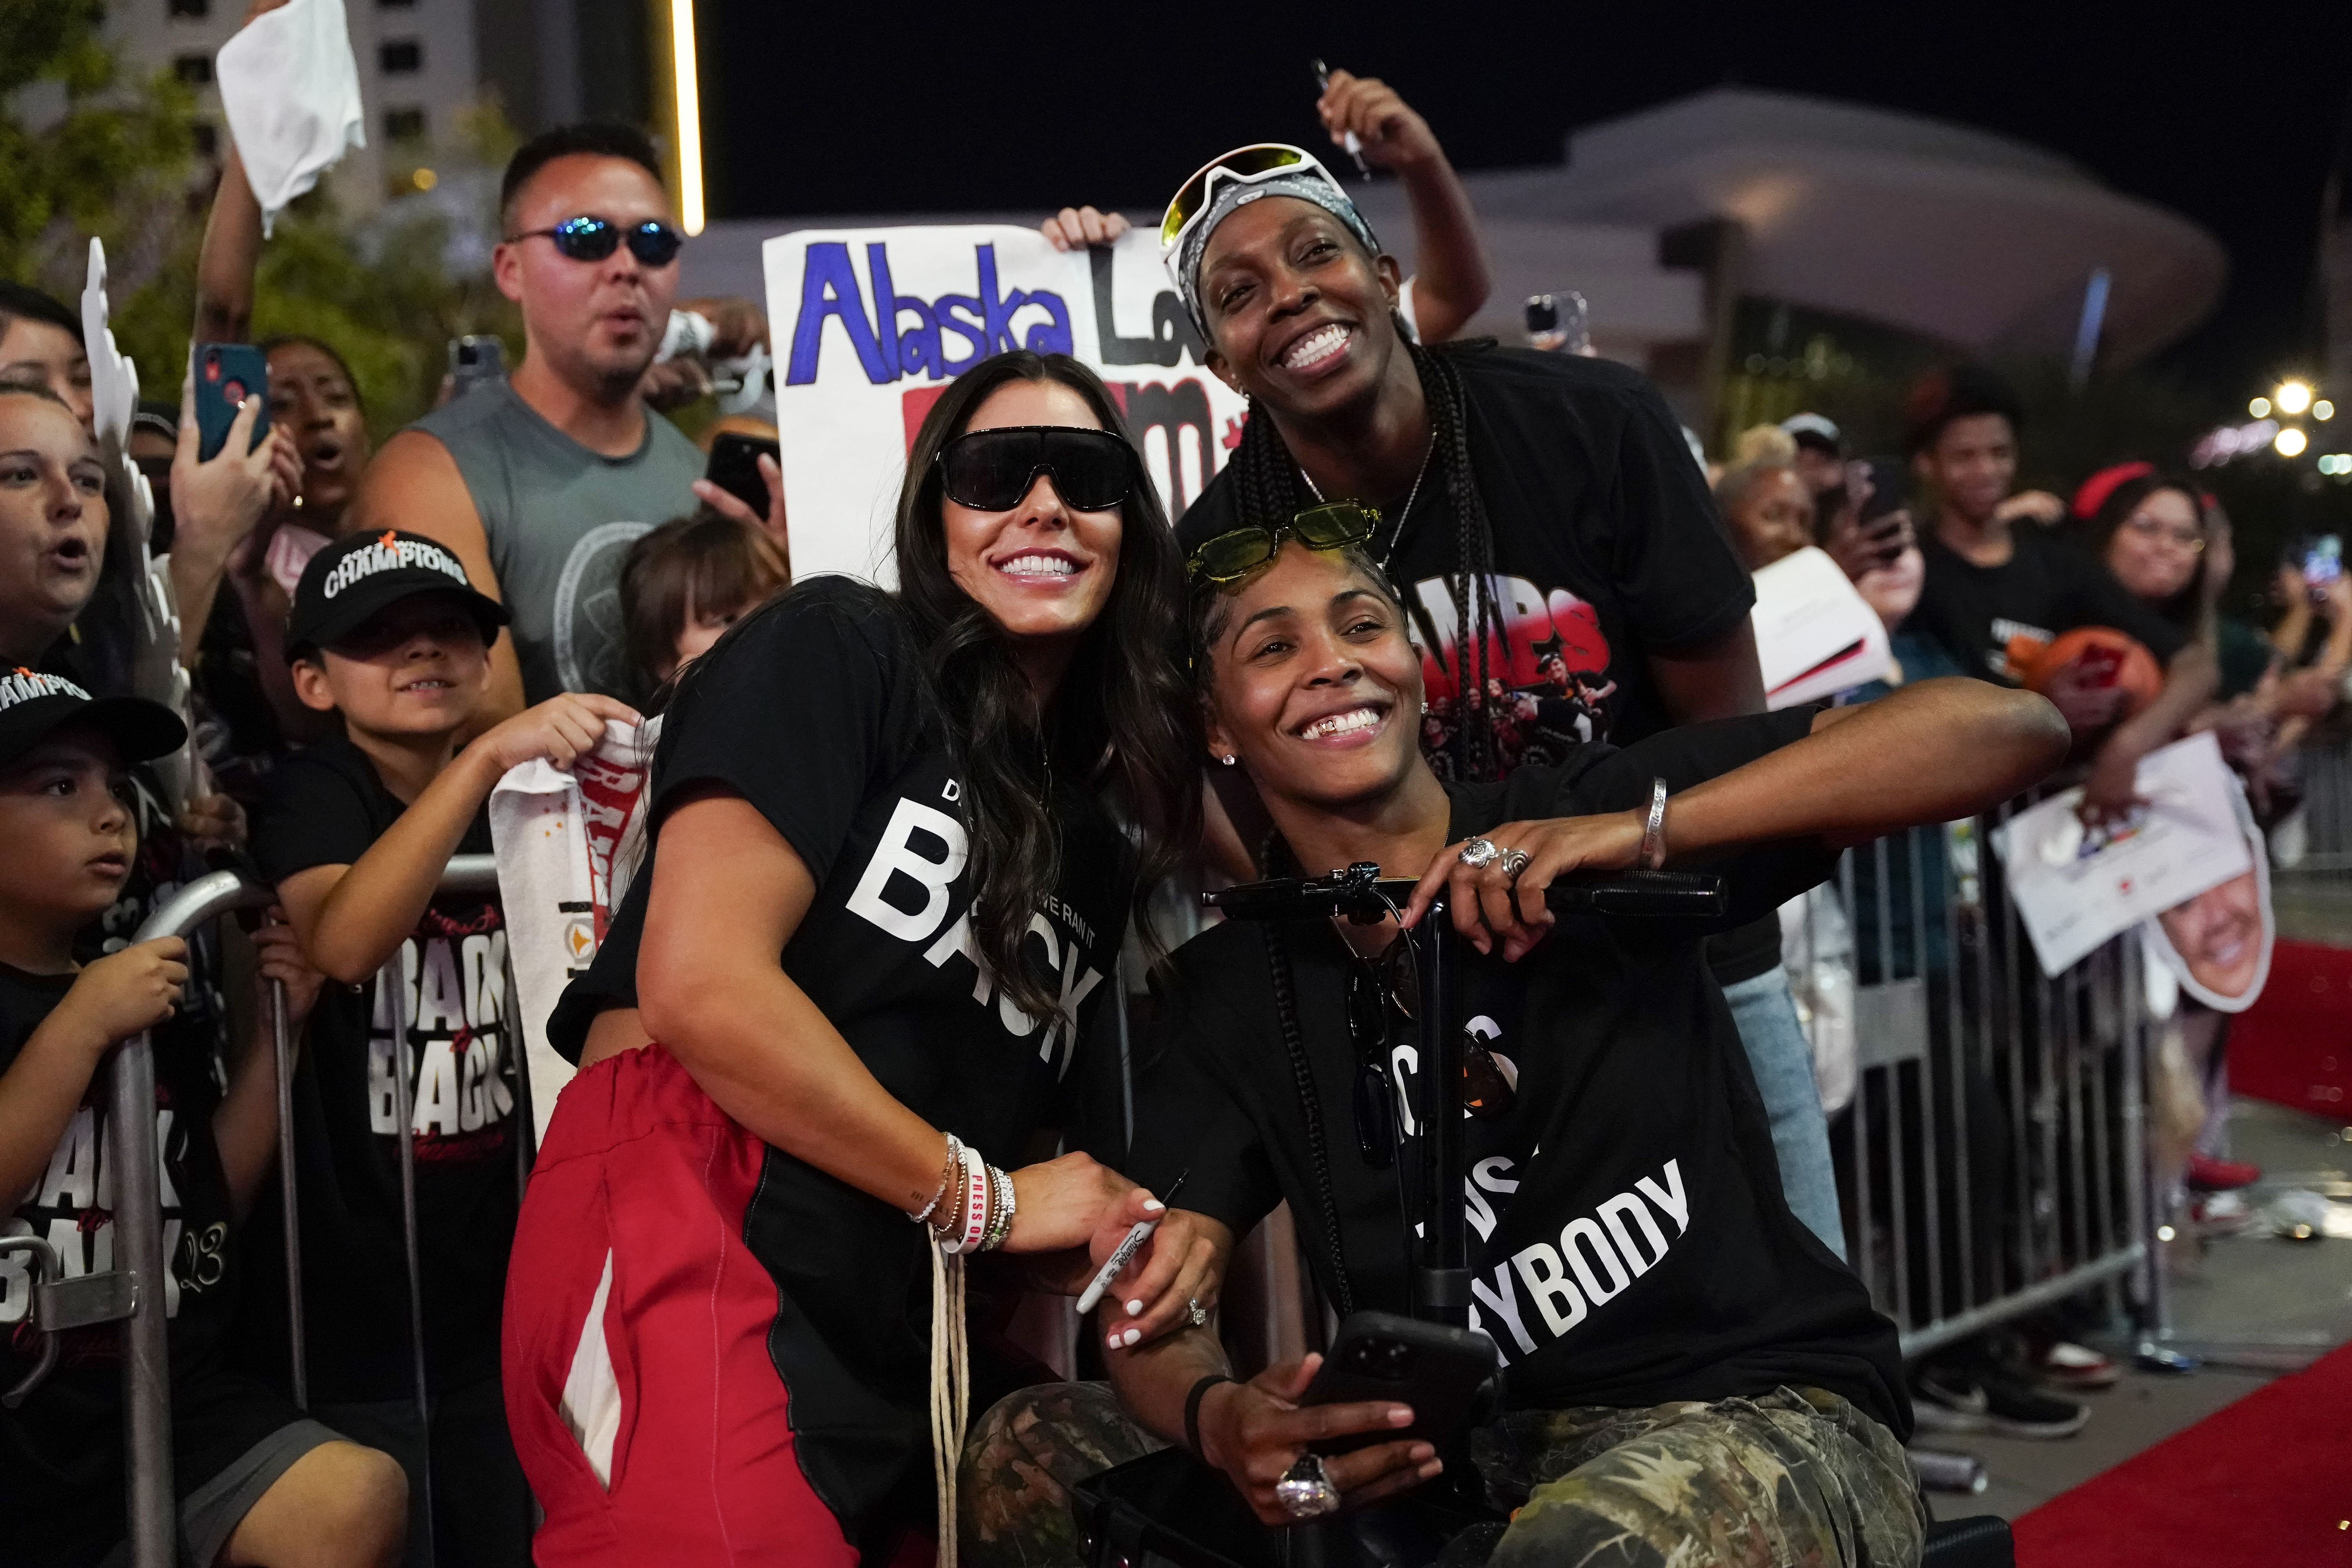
[594, 239]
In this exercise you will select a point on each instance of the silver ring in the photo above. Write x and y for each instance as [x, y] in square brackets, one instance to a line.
[1479, 854]
[1513, 862]
[1306, 1491]
[1196, 1314]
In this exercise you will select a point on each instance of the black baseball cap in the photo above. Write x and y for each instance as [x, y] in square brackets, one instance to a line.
[33, 706]
[353, 578]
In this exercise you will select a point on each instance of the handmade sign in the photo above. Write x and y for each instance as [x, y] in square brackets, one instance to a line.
[870, 325]
[1815, 635]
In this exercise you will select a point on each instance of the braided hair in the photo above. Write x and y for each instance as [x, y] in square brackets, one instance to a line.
[1269, 487]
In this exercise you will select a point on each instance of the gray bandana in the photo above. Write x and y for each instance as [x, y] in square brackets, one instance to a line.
[1231, 196]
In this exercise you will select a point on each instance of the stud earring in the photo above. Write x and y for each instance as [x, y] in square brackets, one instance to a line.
[1229, 759]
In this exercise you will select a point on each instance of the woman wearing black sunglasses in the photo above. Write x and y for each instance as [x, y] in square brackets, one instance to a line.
[1688, 1365]
[938, 806]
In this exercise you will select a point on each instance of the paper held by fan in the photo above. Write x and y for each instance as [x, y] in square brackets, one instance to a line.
[1814, 634]
[2076, 886]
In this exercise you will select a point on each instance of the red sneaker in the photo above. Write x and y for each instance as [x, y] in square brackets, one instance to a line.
[2207, 1175]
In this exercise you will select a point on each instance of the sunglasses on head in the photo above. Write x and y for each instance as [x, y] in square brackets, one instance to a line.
[990, 470]
[1242, 165]
[1233, 555]
[594, 239]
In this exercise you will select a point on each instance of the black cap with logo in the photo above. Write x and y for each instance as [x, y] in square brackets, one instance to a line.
[353, 578]
[33, 706]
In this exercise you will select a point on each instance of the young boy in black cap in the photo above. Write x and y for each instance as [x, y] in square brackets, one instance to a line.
[387, 632]
[257, 1482]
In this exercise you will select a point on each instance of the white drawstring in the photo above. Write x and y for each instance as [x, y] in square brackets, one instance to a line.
[950, 1389]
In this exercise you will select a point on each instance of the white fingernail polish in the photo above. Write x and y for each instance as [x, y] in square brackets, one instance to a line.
[1153, 1205]
[1133, 1335]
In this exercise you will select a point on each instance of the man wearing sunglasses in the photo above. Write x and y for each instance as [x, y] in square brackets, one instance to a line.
[540, 483]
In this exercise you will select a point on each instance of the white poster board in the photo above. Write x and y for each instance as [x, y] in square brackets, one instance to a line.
[1815, 633]
[2076, 887]
[854, 376]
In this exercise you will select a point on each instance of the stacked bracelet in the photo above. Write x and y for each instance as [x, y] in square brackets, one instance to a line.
[1000, 1223]
[948, 1175]
[971, 1218]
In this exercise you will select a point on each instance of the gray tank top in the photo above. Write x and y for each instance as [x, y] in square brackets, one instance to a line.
[560, 518]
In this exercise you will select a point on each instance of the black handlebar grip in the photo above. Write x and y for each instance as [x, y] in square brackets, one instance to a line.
[1653, 895]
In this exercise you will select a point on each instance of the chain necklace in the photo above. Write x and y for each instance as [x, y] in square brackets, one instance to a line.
[1396, 535]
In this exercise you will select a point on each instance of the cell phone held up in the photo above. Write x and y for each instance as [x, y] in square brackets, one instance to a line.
[1443, 1373]
[226, 375]
[475, 361]
[735, 467]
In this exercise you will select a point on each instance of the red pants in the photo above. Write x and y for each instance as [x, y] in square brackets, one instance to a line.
[641, 1168]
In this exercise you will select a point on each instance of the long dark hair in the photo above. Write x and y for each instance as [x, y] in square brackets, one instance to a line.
[1122, 720]
[2186, 608]
[1267, 490]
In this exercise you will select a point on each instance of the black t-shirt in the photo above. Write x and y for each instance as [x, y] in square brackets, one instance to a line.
[2049, 585]
[1607, 549]
[325, 807]
[816, 712]
[61, 1455]
[1629, 1239]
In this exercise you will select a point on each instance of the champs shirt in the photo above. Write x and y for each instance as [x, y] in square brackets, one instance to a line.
[816, 712]
[1629, 1242]
[1608, 548]
[325, 807]
[61, 1454]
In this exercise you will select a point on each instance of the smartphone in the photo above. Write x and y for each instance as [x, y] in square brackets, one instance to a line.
[735, 467]
[226, 375]
[2323, 562]
[473, 360]
[1440, 1372]
[1558, 323]
[1889, 488]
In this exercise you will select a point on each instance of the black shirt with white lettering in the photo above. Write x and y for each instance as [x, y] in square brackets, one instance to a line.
[2049, 585]
[816, 712]
[325, 807]
[61, 1453]
[1630, 1243]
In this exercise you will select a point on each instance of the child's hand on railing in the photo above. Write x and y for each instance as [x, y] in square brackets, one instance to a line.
[281, 960]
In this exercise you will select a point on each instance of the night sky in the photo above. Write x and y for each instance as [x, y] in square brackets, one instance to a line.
[2229, 114]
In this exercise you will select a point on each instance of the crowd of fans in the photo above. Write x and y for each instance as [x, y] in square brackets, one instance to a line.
[373, 638]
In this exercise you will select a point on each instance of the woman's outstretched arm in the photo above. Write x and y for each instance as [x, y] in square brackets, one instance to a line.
[1933, 752]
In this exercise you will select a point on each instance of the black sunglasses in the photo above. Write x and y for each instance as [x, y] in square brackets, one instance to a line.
[990, 470]
[594, 239]
[1390, 985]
[1235, 553]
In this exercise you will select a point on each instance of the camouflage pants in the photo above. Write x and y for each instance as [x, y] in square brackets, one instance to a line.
[1797, 1479]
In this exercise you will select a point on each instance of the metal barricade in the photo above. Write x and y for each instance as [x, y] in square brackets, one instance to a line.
[130, 1294]
[1993, 1157]
[2326, 813]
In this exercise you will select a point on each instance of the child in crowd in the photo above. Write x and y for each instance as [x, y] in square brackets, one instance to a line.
[689, 580]
[388, 633]
[257, 1482]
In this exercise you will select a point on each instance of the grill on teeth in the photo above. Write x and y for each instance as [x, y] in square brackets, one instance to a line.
[1341, 723]
[1038, 566]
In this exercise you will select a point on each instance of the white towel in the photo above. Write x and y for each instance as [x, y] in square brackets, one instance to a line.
[291, 92]
[567, 845]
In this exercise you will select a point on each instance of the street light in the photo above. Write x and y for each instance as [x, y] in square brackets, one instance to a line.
[689, 93]
[2259, 407]
[2289, 442]
[2293, 396]
[2323, 409]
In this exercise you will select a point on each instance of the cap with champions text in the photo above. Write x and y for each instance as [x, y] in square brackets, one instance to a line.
[34, 705]
[354, 578]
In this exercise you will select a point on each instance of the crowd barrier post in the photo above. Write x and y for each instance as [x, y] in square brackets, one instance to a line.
[1995, 1156]
[281, 1048]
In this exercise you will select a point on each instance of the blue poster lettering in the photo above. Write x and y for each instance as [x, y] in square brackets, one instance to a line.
[961, 314]
[829, 288]
[885, 297]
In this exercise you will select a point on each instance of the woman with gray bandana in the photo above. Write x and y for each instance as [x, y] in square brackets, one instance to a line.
[1564, 568]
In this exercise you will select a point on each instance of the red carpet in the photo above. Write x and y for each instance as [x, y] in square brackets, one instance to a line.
[2295, 1045]
[2265, 1483]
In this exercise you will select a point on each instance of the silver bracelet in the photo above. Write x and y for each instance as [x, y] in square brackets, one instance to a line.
[1653, 834]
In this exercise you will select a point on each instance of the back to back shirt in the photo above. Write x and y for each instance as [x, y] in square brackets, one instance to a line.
[2049, 585]
[1608, 548]
[1630, 1242]
[816, 712]
[325, 807]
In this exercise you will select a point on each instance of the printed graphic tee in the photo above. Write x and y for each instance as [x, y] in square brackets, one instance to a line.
[61, 1454]
[1607, 548]
[325, 807]
[1629, 1241]
[816, 712]
[2048, 586]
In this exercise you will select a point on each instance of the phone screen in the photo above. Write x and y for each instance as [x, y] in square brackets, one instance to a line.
[2324, 562]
